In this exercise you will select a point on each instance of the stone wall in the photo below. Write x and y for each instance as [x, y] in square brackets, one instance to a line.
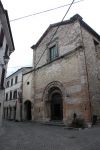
[71, 73]
[76, 70]
[93, 70]
[28, 92]
[67, 38]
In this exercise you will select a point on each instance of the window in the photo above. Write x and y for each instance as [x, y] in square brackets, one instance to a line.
[7, 84]
[2, 78]
[6, 96]
[53, 52]
[28, 83]
[11, 82]
[96, 45]
[16, 79]
[15, 94]
[10, 95]
[6, 52]
[1, 37]
[97, 49]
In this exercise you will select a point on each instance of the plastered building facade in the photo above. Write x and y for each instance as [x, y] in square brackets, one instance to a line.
[6, 48]
[13, 95]
[66, 79]
[28, 96]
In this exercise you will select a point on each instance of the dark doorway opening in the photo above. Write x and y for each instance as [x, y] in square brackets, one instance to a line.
[56, 106]
[28, 110]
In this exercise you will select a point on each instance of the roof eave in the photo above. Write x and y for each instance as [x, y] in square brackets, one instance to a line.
[71, 20]
[89, 29]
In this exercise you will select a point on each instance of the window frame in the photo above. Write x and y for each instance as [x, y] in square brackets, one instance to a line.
[96, 43]
[12, 82]
[53, 53]
[6, 55]
[6, 96]
[7, 84]
[11, 94]
[50, 45]
[1, 37]
[15, 94]
[2, 78]
[16, 79]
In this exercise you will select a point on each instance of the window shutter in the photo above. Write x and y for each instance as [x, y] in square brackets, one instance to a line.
[6, 52]
[2, 78]
[1, 37]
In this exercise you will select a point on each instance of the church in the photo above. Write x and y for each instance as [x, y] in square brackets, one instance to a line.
[65, 79]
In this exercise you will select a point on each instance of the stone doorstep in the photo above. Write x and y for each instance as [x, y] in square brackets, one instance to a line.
[53, 123]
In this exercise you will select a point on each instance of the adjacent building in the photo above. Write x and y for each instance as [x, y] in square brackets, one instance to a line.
[28, 96]
[6, 48]
[13, 95]
[66, 73]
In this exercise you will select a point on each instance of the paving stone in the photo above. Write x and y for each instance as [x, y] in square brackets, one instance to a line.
[33, 136]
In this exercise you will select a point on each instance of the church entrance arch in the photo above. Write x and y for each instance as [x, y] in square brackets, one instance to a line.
[56, 105]
[53, 101]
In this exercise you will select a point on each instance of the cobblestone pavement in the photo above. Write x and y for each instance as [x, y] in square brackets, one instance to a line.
[32, 136]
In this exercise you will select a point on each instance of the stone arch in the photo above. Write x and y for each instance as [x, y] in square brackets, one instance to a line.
[27, 110]
[51, 95]
[49, 86]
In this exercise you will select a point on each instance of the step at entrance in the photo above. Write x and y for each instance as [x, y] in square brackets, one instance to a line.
[54, 123]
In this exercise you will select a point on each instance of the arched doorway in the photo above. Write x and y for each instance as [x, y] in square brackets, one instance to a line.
[56, 104]
[28, 115]
[53, 97]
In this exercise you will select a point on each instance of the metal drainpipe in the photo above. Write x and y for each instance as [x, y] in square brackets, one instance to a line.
[21, 101]
[34, 81]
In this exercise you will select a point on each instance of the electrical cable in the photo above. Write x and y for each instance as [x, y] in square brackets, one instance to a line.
[54, 33]
[41, 12]
[51, 39]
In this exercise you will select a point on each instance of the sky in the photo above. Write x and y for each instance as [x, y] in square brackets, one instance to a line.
[27, 31]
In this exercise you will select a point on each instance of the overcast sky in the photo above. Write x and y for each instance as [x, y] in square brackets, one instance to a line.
[26, 32]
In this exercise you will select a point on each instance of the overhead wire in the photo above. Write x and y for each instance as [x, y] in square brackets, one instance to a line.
[45, 11]
[18, 67]
[50, 41]
[54, 33]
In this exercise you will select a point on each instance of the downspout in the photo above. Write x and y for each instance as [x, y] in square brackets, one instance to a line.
[21, 101]
[34, 69]
[86, 73]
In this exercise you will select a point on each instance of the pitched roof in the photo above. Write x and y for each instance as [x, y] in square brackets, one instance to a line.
[18, 71]
[71, 20]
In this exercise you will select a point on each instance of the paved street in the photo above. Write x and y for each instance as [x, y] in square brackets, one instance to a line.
[32, 136]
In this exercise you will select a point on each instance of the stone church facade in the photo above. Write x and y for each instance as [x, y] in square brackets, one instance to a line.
[66, 79]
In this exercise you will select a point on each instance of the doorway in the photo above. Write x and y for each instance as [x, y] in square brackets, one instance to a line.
[56, 106]
[28, 115]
